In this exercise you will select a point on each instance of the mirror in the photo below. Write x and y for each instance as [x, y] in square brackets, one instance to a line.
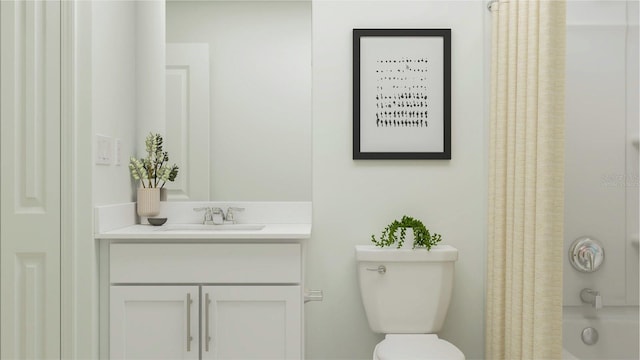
[238, 93]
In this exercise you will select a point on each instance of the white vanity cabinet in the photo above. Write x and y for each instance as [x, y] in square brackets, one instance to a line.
[154, 322]
[251, 322]
[205, 300]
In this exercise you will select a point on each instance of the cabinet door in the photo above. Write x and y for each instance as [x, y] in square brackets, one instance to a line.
[154, 322]
[251, 322]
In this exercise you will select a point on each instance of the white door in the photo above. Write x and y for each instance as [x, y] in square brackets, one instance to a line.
[251, 322]
[154, 322]
[30, 179]
[187, 119]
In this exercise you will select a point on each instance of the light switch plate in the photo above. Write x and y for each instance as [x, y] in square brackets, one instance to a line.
[117, 152]
[104, 150]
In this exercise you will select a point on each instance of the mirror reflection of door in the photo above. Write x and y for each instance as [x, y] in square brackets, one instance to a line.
[187, 119]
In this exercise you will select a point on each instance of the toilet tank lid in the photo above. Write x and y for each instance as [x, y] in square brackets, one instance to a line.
[416, 347]
[436, 254]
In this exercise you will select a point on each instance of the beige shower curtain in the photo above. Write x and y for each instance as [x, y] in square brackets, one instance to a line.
[524, 276]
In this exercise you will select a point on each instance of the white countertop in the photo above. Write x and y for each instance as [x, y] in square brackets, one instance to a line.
[150, 232]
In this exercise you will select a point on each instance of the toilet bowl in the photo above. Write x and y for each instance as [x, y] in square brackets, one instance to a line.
[406, 295]
[415, 347]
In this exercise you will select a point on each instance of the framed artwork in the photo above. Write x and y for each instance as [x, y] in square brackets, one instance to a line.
[402, 94]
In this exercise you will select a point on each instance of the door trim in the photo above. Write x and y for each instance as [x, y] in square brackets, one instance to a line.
[66, 178]
[78, 266]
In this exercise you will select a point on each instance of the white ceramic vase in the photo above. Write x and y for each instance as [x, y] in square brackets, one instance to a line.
[408, 239]
[148, 202]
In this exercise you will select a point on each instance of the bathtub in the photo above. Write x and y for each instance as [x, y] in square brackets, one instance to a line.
[617, 327]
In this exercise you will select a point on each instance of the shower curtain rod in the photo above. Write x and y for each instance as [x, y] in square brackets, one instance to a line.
[490, 3]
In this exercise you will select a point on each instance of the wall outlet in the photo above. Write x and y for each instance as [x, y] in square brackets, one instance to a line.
[104, 150]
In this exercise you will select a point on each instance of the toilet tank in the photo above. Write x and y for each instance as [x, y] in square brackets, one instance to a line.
[405, 290]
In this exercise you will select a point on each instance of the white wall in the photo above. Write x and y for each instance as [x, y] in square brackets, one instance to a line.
[114, 94]
[106, 105]
[127, 87]
[354, 199]
[150, 70]
[260, 56]
[632, 149]
[601, 175]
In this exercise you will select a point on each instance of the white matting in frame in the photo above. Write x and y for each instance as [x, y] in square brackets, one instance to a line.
[402, 94]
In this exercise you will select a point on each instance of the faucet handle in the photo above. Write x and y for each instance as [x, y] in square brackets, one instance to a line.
[207, 210]
[231, 213]
[208, 213]
[586, 254]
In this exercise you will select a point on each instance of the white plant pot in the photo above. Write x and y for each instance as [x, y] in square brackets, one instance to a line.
[148, 202]
[408, 238]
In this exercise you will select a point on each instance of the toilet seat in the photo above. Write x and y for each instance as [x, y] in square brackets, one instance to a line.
[415, 347]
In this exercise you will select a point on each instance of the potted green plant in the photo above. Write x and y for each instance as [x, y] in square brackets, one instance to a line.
[153, 172]
[422, 238]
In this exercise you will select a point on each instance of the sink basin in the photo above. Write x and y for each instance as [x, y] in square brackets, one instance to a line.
[201, 227]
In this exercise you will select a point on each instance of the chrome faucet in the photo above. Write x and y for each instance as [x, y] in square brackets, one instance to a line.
[218, 217]
[593, 297]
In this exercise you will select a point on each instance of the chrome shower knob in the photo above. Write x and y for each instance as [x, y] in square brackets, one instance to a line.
[586, 254]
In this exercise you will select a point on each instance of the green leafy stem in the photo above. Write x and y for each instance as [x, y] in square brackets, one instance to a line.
[154, 168]
[422, 236]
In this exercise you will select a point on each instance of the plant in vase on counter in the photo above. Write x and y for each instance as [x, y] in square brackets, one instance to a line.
[153, 172]
[154, 168]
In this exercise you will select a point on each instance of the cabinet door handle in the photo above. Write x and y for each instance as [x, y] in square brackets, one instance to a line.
[207, 337]
[189, 337]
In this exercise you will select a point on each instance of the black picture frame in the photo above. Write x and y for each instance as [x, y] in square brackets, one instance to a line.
[401, 94]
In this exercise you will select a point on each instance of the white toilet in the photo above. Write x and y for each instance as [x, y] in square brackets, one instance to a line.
[406, 295]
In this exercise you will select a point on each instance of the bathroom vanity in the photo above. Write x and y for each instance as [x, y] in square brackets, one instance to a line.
[185, 292]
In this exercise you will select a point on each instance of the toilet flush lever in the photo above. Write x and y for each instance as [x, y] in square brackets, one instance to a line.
[380, 269]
